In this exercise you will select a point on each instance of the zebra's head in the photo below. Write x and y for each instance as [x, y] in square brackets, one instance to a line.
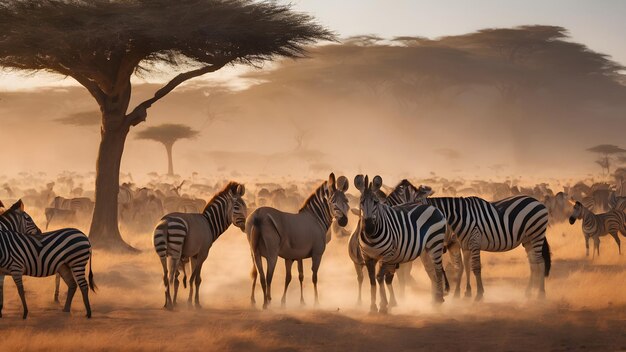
[16, 219]
[337, 200]
[369, 202]
[406, 192]
[239, 208]
[577, 213]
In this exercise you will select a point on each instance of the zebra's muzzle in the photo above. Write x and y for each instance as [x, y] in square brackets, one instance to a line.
[342, 221]
[572, 220]
[369, 225]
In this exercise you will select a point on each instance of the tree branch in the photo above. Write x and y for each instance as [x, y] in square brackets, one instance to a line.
[91, 86]
[139, 113]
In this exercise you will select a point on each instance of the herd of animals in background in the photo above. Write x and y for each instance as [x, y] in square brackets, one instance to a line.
[391, 229]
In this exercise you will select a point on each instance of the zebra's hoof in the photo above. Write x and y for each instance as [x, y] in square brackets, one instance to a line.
[393, 304]
[88, 315]
[373, 309]
[383, 310]
[198, 306]
[468, 294]
[479, 297]
[66, 310]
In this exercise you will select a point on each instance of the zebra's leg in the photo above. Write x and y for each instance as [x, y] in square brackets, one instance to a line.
[467, 256]
[402, 279]
[68, 278]
[256, 256]
[78, 273]
[388, 281]
[474, 245]
[380, 277]
[168, 298]
[586, 245]
[1, 294]
[537, 266]
[596, 246]
[370, 264]
[436, 258]
[301, 278]
[271, 265]
[176, 285]
[194, 266]
[198, 279]
[17, 277]
[317, 260]
[57, 286]
[617, 240]
[288, 265]
[359, 279]
[429, 267]
[253, 275]
[457, 262]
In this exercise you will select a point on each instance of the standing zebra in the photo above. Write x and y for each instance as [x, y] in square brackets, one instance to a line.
[395, 235]
[598, 225]
[16, 220]
[273, 233]
[183, 236]
[66, 252]
[479, 225]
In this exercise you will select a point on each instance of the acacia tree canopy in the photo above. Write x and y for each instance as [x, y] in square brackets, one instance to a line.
[102, 43]
[167, 133]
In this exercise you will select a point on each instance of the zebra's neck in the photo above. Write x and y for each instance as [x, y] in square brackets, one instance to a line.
[217, 214]
[317, 205]
[590, 220]
[7, 222]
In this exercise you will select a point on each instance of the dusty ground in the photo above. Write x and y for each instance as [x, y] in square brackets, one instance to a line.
[585, 308]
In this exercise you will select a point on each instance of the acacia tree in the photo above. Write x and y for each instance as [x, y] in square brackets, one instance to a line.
[606, 151]
[168, 134]
[102, 43]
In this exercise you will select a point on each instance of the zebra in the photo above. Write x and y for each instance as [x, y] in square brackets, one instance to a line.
[477, 224]
[294, 237]
[16, 219]
[598, 225]
[395, 235]
[189, 236]
[64, 251]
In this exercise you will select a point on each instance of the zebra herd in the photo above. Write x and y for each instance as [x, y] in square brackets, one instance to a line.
[393, 230]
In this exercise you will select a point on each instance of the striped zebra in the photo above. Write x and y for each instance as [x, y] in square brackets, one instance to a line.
[295, 236]
[478, 225]
[64, 251]
[16, 219]
[189, 236]
[598, 225]
[395, 235]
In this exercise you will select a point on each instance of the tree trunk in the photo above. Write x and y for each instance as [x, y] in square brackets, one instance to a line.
[170, 162]
[104, 232]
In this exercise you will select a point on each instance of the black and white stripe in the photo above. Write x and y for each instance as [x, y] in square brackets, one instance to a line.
[400, 234]
[598, 225]
[170, 233]
[65, 251]
[16, 219]
[496, 227]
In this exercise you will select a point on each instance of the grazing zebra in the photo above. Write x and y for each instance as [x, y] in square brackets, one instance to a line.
[395, 235]
[598, 225]
[273, 233]
[65, 251]
[479, 225]
[183, 236]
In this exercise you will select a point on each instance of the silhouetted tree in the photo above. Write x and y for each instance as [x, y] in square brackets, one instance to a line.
[607, 151]
[101, 44]
[83, 118]
[168, 134]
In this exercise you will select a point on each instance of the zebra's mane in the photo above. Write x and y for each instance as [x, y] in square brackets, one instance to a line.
[230, 187]
[404, 183]
[313, 195]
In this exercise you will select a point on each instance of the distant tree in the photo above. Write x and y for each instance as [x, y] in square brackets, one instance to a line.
[167, 134]
[83, 118]
[607, 152]
[101, 44]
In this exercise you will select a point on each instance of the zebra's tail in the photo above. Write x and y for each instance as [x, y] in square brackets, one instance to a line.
[547, 260]
[92, 284]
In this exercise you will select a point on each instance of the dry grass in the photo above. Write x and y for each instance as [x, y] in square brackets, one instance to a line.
[585, 308]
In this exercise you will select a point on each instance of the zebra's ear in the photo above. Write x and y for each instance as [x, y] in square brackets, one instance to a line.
[359, 182]
[377, 182]
[342, 183]
[355, 211]
[425, 191]
[1, 204]
[18, 205]
[331, 182]
[241, 190]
